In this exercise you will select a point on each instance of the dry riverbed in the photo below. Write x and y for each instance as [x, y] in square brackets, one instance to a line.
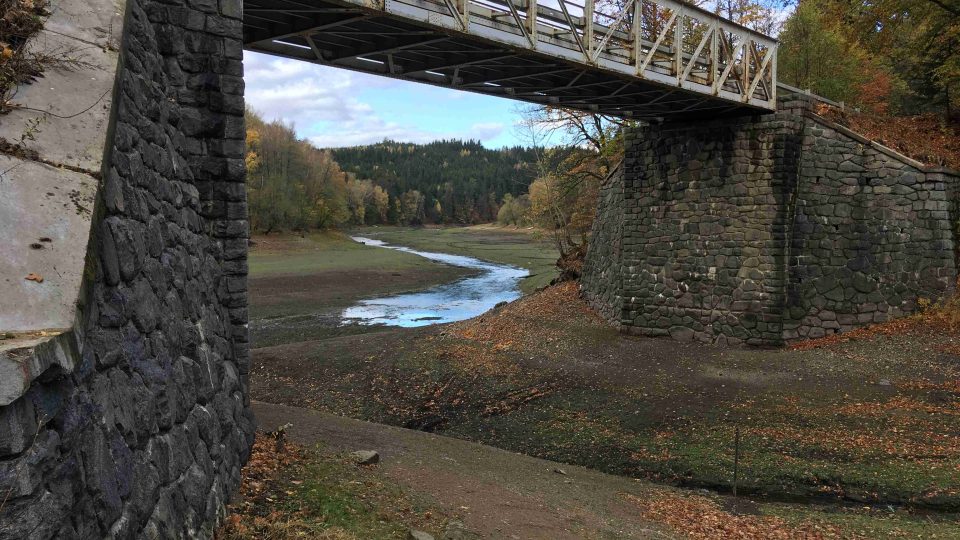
[864, 430]
[299, 285]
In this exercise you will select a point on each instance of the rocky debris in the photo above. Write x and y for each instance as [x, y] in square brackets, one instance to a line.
[365, 457]
[456, 530]
[419, 535]
[279, 436]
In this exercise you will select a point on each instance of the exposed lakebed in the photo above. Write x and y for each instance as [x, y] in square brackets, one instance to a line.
[455, 301]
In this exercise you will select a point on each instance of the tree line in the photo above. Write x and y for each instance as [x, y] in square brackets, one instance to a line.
[899, 57]
[446, 181]
[292, 185]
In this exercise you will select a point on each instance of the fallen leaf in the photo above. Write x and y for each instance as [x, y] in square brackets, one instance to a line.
[34, 277]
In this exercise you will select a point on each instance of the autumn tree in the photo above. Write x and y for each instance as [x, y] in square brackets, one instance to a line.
[412, 208]
[814, 54]
[290, 183]
[901, 56]
[514, 210]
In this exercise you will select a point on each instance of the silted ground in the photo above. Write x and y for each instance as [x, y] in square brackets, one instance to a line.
[299, 284]
[871, 421]
[309, 487]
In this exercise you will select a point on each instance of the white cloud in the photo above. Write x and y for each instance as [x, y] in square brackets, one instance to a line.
[486, 130]
[322, 105]
[369, 131]
[300, 93]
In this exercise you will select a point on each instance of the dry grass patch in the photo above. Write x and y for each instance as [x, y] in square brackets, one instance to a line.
[927, 138]
[702, 518]
[21, 20]
[292, 492]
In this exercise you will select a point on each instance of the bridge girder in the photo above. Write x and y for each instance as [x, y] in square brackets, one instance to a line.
[660, 59]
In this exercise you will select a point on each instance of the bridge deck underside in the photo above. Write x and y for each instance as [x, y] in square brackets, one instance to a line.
[345, 35]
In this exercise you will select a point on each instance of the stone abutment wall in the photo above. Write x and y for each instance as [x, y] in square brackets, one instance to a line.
[602, 270]
[140, 430]
[765, 229]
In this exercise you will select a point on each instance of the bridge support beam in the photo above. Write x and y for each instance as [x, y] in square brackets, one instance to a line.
[766, 229]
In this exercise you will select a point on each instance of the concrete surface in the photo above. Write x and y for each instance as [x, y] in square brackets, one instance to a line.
[45, 210]
[23, 359]
[84, 36]
[44, 226]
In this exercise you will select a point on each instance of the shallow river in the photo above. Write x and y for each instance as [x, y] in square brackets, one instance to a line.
[449, 302]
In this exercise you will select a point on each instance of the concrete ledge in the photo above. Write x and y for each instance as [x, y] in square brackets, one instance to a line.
[65, 112]
[45, 215]
[24, 359]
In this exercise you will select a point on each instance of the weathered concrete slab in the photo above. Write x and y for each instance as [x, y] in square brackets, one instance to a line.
[45, 222]
[23, 359]
[67, 109]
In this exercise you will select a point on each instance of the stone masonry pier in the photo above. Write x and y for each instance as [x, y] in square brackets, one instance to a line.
[766, 229]
[123, 372]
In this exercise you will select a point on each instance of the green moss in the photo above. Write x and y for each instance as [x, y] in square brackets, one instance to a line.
[334, 494]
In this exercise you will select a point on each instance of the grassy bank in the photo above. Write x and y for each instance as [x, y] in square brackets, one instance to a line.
[292, 491]
[300, 284]
[875, 420]
[325, 251]
[506, 245]
[295, 491]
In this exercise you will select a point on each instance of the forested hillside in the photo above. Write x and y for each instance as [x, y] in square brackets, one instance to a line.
[895, 63]
[291, 185]
[454, 181]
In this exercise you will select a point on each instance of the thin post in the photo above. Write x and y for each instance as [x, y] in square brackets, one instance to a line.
[532, 22]
[714, 53]
[773, 76]
[736, 459]
[637, 31]
[588, 7]
[678, 44]
[747, 49]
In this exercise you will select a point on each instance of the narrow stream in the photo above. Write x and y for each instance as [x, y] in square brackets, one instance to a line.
[456, 301]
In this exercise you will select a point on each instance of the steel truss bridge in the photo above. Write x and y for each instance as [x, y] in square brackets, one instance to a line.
[645, 59]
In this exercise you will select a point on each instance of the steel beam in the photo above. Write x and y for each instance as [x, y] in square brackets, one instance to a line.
[688, 61]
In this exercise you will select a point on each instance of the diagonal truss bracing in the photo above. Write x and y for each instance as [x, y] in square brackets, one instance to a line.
[646, 59]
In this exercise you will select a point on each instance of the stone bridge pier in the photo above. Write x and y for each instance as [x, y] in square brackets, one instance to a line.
[764, 229]
[124, 410]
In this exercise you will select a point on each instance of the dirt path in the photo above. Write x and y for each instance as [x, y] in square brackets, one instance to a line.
[871, 420]
[497, 494]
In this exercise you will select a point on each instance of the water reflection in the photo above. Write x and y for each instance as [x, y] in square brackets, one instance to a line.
[449, 302]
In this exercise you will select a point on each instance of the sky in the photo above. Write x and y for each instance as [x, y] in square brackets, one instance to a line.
[335, 107]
